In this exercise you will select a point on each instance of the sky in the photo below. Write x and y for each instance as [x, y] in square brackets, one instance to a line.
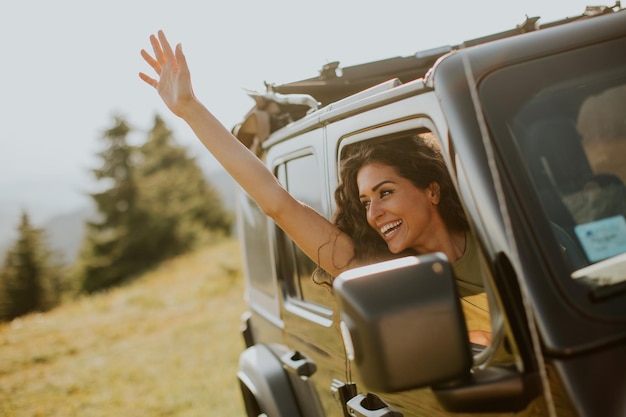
[69, 67]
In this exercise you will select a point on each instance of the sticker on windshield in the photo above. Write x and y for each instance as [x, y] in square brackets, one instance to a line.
[603, 238]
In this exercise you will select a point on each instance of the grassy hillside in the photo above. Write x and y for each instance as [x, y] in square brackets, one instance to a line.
[166, 344]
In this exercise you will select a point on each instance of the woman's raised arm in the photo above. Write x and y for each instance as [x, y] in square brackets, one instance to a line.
[174, 87]
[315, 235]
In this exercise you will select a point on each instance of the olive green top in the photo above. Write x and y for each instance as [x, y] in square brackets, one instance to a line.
[468, 268]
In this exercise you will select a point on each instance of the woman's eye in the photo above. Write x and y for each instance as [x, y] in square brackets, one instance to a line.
[385, 193]
[365, 204]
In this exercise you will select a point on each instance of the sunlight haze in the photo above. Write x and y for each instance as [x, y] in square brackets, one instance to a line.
[70, 66]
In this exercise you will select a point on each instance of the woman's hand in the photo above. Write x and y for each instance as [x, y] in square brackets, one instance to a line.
[174, 82]
[480, 337]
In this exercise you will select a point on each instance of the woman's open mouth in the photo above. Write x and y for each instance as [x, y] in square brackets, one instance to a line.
[390, 228]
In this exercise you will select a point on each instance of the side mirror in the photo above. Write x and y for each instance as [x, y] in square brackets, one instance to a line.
[403, 323]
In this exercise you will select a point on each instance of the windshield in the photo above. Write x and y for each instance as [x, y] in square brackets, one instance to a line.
[567, 117]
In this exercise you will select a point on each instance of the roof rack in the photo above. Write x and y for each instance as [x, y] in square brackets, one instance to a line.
[275, 109]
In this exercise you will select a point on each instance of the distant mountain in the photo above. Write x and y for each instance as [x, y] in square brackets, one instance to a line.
[42, 200]
[65, 232]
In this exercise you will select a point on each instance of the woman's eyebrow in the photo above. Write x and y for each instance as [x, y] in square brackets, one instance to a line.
[377, 186]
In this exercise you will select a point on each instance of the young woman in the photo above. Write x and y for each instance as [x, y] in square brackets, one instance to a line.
[393, 199]
[399, 197]
[396, 197]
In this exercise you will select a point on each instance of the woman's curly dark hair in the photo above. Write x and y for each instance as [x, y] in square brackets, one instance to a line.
[416, 158]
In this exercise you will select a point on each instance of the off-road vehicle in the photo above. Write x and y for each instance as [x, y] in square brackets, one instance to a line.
[532, 124]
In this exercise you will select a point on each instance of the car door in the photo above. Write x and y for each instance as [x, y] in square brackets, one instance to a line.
[410, 118]
[315, 352]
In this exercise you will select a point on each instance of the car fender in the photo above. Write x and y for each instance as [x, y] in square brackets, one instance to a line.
[262, 375]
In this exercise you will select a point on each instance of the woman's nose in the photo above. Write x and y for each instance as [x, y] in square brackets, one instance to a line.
[375, 210]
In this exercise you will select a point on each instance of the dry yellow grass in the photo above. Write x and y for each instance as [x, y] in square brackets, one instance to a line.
[166, 344]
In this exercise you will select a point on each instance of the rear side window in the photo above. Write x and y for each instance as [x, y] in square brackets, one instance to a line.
[253, 226]
[305, 282]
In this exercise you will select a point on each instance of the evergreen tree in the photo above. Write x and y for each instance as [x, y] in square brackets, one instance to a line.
[112, 251]
[29, 280]
[158, 204]
[175, 191]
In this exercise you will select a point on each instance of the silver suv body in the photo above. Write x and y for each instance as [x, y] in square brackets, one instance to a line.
[532, 124]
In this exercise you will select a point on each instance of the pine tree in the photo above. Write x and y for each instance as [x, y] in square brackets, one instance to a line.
[158, 205]
[111, 251]
[29, 279]
[175, 191]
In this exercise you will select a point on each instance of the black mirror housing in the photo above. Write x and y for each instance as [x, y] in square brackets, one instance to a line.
[405, 323]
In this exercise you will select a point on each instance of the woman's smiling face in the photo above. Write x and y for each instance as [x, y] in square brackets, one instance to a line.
[403, 214]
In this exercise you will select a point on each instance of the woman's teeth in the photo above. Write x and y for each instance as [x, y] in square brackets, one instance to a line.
[390, 227]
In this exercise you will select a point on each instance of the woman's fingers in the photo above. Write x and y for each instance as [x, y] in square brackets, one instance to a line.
[151, 61]
[154, 64]
[151, 81]
[166, 49]
[158, 51]
[166, 52]
[181, 60]
[163, 55]
[173, 82]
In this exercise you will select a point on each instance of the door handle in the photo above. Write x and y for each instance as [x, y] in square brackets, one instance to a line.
[370, 405]
[299, 364]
